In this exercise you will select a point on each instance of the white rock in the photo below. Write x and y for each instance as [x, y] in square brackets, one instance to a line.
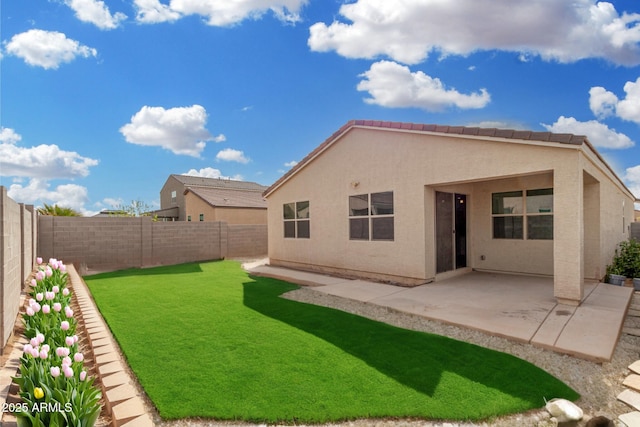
[564, 410]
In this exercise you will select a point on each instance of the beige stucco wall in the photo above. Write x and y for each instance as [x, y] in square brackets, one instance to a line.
[414, 166]
[166, 201]
[194, 206]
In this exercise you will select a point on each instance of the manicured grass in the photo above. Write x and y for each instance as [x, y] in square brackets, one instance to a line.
[207, 340]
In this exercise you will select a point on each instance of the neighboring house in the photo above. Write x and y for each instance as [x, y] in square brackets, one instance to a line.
[637, 215]
[412, 203]
[191, 198]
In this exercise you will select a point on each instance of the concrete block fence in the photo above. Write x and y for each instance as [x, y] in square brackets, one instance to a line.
[18, 231]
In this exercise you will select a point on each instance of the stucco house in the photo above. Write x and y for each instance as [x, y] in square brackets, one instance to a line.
[192, 198]
[412, 203]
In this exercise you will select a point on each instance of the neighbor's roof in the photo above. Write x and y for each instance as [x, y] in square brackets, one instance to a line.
[197, 181]
[562, 138]
[232, 198]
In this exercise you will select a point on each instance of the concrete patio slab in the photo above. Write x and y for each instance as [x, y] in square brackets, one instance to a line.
[521, 308]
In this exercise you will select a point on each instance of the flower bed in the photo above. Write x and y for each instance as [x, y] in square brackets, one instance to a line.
[54, 386]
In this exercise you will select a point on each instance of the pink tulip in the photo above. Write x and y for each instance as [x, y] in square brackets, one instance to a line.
[65, 292]
[66, 362]
[62, 267]
[40, 338]
[39, 296]
[83, 375]
[39, 260]
[53, 261]
[64, 325]
[27, 348]
[40, 275]
[43, 354]
[36, 307]
[55, 371]
[33, 282]
[69, 341]
[46, 309]
[78, 357]
[68, 312]
[45, 347]
[35, 352]
[34, 342]
[57, 307]
[31, 302]
[55, 289]
[62, 351]
[30, 311]
[68, 372]
[75, 339]
[49, 295]
[48, 272]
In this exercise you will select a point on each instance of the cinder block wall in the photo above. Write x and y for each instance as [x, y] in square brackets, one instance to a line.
[635, 230]
[102, 244]
[16, 259]
[247, 240]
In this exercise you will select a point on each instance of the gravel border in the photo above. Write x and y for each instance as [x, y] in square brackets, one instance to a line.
[598, 384]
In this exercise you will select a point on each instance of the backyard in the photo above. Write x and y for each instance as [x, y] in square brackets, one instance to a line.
[207, 340]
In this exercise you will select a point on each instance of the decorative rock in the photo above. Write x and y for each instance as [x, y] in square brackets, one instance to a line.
[600, 421]
[564, 410]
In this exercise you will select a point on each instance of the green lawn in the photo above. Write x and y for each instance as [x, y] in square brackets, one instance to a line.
[207, 340]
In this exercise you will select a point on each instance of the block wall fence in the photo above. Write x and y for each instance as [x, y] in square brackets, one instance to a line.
[106, 244]
[18, 231]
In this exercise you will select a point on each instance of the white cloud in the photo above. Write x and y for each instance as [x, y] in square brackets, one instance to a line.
[219, 13]
[42, 161]
[393, 85]
[291, 164]
[153, 12]
[632, 177]
[231, 155]
[96, 12]
[604, 103]
[38, 191]
[211, 173]
[599, 134]
[408, 31]
[9, 136]
[180, 130]
[46, 49]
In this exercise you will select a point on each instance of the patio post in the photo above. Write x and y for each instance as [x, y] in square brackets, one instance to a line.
[568, 236]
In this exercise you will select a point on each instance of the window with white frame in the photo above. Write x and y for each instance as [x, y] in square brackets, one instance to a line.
[296, 220]
[516, 212]
[371, 216]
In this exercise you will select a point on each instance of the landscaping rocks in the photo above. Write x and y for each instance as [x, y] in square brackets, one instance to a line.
[564, 410]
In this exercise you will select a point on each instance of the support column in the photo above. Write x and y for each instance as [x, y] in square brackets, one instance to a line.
[568, 235]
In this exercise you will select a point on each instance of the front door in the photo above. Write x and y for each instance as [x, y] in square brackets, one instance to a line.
[451, 231]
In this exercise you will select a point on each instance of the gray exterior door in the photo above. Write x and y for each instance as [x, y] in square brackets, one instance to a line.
[451, 231]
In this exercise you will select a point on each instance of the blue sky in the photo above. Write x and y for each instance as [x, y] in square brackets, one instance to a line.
[100, 101]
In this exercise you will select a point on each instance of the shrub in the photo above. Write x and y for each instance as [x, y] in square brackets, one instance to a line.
[626, 260]
[54, 386]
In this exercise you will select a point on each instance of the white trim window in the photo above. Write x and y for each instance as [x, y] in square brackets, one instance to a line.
[371, 216]
[513, 212]
[296, 220]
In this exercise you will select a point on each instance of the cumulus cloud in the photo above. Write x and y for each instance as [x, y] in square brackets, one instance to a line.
[393, 85]
[42, 161]
[218, 13]
[410, 30]
[180, 130]
[231, 155]
[46, 49]
[211, 173]
[153, 12]
[37, 191]
[604, 103]
[599, 134]
[96, 12]
[291, 164]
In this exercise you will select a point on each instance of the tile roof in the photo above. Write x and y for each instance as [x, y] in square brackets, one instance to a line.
[229, 197]
[197, 181]
[563, 138]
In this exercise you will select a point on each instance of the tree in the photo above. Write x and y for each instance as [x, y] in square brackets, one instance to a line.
[55, 210]
[135, 208]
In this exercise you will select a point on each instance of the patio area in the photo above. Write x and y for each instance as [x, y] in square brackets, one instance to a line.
[521, 308]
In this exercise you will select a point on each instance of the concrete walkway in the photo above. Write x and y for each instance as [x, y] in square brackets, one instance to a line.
[521, 308]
